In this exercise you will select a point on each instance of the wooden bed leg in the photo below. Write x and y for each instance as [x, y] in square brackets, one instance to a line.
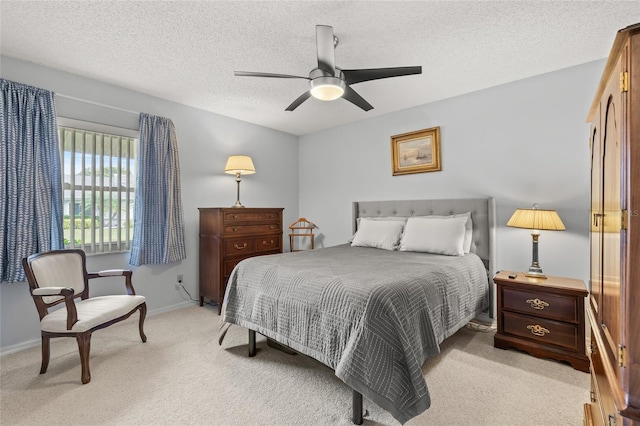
[357, 407]
[252, 343]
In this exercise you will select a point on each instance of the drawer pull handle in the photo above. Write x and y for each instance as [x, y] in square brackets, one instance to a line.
[537, 303]
[234, 229]
[244, 246]
[264, 243]
[538, 330]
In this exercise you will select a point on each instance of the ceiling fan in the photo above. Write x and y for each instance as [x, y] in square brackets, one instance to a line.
[328, 82]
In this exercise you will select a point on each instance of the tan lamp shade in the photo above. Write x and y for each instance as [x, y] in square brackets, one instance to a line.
[239, 164]
[536, 219]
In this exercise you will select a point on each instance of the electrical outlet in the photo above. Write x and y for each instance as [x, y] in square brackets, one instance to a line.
[178, 281]
[180, 278]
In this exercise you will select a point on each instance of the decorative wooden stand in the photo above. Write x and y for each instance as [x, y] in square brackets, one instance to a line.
[301, 228]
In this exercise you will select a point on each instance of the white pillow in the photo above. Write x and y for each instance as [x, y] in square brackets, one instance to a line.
[468, 229]
[383, 234]
[383, 218]
[433, 234]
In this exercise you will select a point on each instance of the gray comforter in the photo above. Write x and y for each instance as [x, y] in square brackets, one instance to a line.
[372, 315]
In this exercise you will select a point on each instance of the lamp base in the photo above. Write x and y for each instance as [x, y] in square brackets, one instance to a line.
[238, 204]
[535, 273]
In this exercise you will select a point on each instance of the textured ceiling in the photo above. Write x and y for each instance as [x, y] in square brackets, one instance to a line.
[186, 51]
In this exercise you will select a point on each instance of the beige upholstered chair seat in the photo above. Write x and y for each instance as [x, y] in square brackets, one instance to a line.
[91, 312]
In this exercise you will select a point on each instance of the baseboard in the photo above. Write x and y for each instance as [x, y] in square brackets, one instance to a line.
[171, 308]
[36, 342]
[20, 347]
[485, 319]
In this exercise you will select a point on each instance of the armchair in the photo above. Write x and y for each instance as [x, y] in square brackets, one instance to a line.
[61, 276]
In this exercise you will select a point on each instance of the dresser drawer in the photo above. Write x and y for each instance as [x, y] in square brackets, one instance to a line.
[562, 308]
[268, 243]
[229, 264]
[541, 330]
[263, 228]
[239, 246]
[231, 218]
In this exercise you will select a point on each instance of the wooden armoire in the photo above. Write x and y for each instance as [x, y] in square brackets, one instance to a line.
[614, 304]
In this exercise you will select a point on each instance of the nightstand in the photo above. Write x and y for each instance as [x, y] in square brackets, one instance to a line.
[544, 317]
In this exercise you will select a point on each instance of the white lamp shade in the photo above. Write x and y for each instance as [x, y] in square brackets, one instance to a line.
[239, 164]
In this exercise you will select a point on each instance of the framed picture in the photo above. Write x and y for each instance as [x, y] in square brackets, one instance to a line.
[416, 152]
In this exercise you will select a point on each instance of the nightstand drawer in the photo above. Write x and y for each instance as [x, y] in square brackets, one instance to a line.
[541, 330]
[563, 308]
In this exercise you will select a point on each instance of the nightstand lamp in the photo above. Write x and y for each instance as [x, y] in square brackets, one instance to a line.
[239, 165]
[536, 219]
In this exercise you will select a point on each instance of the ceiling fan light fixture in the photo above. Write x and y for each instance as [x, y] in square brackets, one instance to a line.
[327, 88]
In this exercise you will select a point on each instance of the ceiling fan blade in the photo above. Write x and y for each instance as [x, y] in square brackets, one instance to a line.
[295, 104]
[358, 76]
[265, 74]
[353, 97]
[326, 49]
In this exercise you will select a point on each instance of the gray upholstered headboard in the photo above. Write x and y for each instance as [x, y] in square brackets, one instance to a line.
[482, 214]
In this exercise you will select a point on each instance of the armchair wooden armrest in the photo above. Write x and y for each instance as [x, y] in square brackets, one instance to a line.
[49, 291]
[67, 293]
[113, 272]
[126, 273]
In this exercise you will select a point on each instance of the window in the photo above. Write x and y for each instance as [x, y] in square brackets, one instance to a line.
[99, 179]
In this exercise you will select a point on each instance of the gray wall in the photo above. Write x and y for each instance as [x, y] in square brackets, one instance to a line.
[521, 142]
[204, 142]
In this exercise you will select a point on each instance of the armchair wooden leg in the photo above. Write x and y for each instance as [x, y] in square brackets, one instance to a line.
[45, 354]
[84, 346]
[143, 314]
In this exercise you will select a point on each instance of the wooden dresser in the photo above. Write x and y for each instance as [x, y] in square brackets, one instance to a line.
[229, 235]
[544, 317]
[614, 306]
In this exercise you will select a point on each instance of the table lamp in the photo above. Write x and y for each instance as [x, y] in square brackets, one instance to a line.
[536, 219]
[239, 165]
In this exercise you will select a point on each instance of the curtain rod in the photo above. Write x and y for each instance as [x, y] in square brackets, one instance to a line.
[97, 103]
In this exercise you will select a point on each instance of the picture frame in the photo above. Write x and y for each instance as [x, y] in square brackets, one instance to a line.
[416, 152]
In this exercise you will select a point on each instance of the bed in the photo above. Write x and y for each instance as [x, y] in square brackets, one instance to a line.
[372, 314]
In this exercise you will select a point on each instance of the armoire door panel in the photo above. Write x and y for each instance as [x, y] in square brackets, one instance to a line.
[632, 264]
[610, 309]
[596, 213]
[614, 308]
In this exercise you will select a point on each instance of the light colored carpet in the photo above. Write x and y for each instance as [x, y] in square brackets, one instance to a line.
[182, 376]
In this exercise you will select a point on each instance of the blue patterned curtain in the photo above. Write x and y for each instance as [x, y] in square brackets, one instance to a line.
[30, 173]
[158, 230]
